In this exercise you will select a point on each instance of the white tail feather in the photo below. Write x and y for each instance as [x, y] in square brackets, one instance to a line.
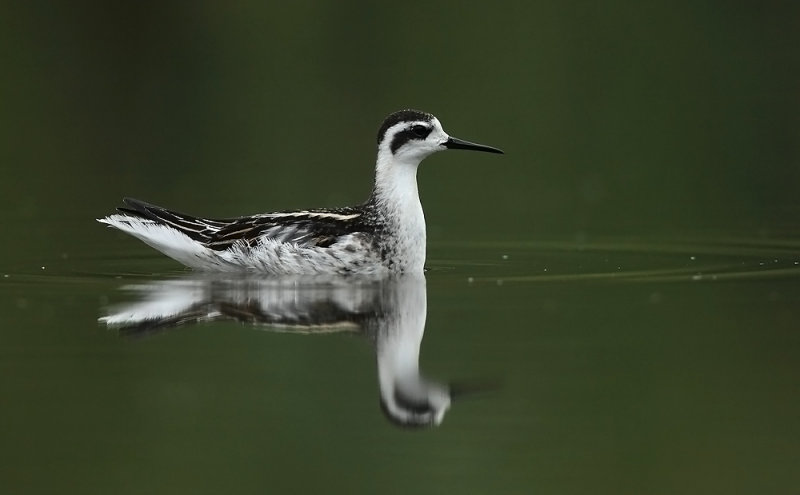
[168, 240]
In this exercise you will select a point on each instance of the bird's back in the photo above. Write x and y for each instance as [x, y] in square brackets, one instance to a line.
[335, 241]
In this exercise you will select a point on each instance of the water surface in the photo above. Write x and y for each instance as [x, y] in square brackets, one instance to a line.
[609, 366]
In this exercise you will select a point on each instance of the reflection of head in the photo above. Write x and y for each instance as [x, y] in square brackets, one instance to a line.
[425, 406]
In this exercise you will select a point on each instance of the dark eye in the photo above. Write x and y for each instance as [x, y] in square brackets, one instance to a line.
[420, 131]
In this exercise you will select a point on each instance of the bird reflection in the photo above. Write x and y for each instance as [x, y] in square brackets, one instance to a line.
[391, 313]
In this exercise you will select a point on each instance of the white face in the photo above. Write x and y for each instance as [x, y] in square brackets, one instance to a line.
[412, 141]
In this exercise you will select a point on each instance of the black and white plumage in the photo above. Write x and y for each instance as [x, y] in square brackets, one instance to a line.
[384, 235]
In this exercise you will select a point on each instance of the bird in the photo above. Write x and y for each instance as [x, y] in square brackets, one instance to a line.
[383, 236]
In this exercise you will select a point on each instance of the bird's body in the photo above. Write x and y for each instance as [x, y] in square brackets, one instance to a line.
[384, 235]
[329, 241]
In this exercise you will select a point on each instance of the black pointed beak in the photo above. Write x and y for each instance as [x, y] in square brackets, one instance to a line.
[459, 144]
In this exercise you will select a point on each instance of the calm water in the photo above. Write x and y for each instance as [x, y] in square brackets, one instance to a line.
[605, 367]
[612, 305]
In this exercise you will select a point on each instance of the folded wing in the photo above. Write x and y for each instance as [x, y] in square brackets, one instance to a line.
[309, 228]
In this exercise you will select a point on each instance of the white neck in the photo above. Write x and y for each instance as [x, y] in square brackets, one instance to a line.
[399, 337]
[400, 333]
[397, 196]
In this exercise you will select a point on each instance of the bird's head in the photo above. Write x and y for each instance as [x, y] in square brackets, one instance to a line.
[409, 136]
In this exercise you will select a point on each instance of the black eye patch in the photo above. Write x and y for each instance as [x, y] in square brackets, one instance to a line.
[415, 132]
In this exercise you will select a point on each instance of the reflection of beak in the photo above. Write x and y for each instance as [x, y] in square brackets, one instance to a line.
[460, 389]
[459, 144]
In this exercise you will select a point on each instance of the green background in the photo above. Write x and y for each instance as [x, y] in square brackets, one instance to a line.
[634, 117]
[628, 269]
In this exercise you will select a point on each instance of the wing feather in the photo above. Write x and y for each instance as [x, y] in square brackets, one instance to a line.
[319, 228]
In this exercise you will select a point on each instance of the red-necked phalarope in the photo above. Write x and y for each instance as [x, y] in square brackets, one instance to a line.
[384, 235]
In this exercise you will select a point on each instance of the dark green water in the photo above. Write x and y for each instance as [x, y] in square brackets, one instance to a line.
[602, 369]
[622, 287]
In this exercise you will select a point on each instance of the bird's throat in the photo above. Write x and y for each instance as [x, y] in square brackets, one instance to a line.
[397, 197]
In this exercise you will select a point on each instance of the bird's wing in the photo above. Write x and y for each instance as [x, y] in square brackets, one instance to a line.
[199, 229]
[320, 228]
